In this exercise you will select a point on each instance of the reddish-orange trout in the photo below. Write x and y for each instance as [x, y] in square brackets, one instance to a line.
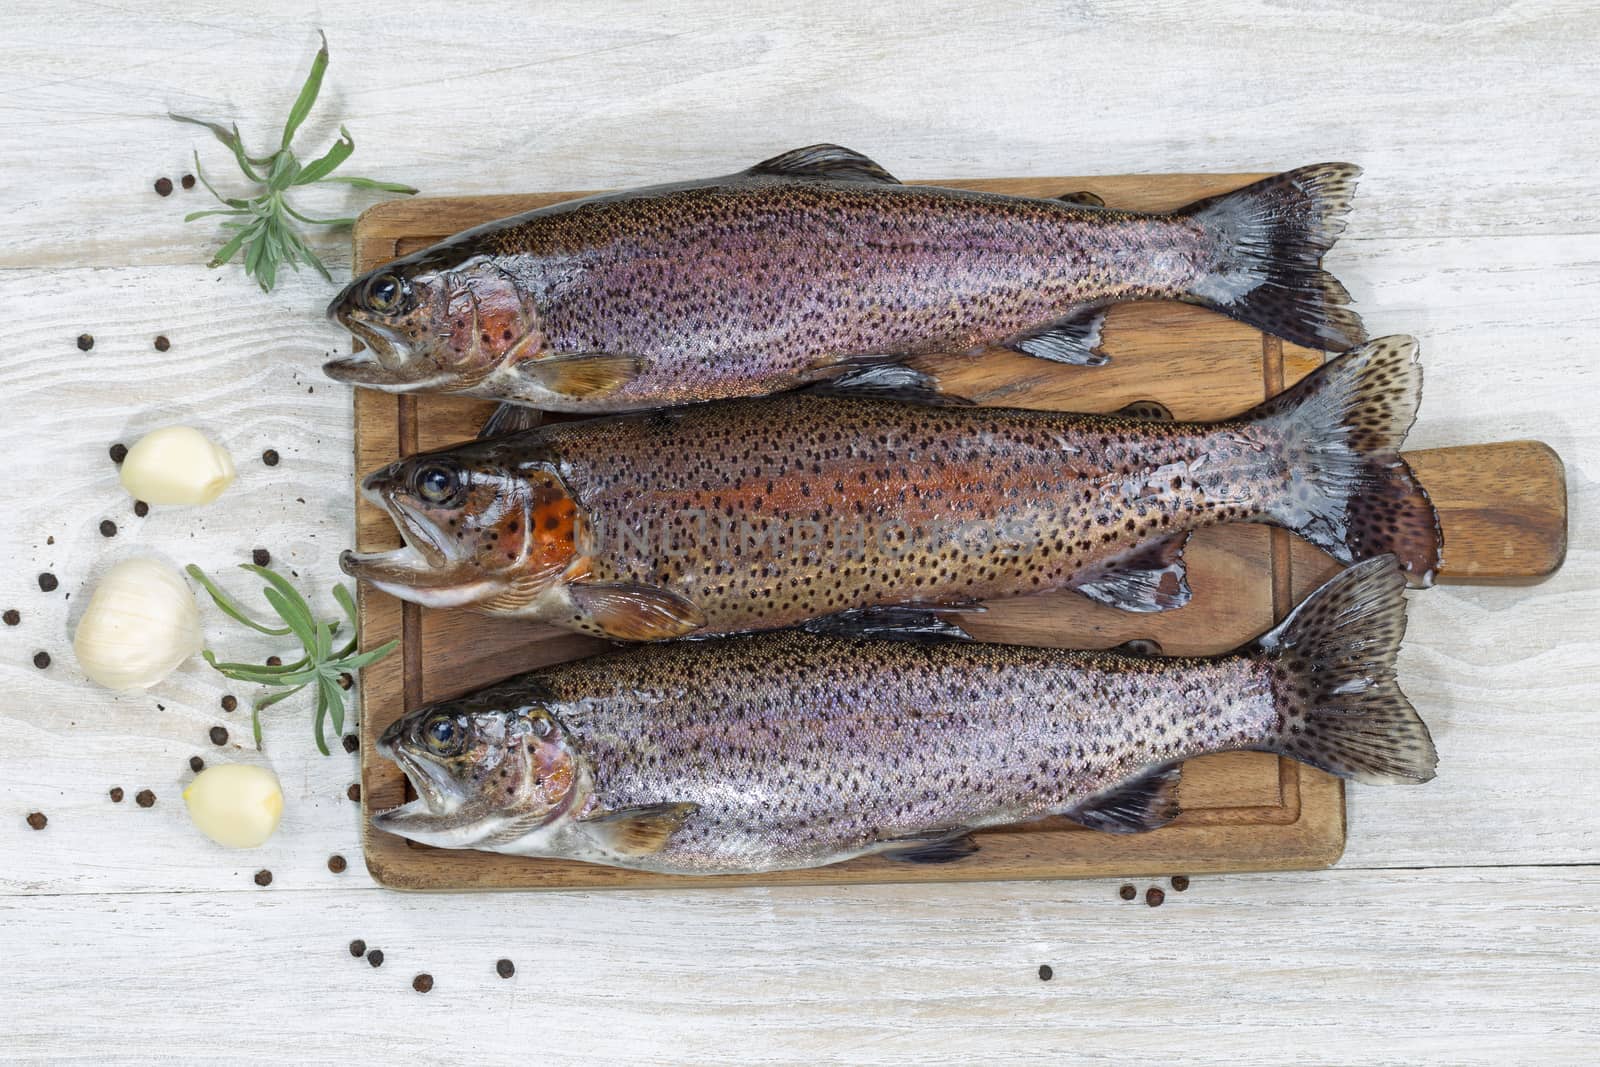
[763, 513]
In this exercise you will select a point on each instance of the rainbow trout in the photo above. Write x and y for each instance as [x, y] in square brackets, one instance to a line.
[814, 264]
[786, 750]
[757, 514]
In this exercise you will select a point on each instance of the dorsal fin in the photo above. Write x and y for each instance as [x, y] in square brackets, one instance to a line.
[825, 161]
[1149, 578]
[1070, 340]
[1082, 198]
[1149, 410]
[939, 846]
[892, 381]
[1141, 803]
[895, 622]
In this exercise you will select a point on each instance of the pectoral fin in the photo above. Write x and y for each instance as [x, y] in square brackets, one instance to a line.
[1142, 803]
[1070, 340]
[825, 161]
[1150, 578]
[638, 831]
[583, 374]
[510, 418]
[633, 612]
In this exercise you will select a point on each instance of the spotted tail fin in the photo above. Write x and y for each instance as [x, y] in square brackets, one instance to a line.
[1347, 490]
[1340, 707]
[1269, 239]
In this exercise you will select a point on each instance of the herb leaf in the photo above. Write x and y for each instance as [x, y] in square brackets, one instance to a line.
[319, 665]
[308, 92]
[273, 240]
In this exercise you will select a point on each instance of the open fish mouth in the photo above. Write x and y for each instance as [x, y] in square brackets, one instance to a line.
[383, 363]
[430, 798]
[403, 566]
[407, 572]
[424, 548]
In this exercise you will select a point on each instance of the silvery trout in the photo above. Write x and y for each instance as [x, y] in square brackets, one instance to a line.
[757, 514]
[786, 750]
[814, 264]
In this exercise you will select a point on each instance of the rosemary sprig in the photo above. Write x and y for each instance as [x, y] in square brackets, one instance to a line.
[321, 663]
[261, 225]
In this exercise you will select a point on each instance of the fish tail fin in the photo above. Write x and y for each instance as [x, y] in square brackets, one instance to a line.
[1269, 241]
[1346, 489]
[1340, 708]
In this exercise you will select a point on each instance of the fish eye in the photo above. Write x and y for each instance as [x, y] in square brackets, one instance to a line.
[384, 292]
[442, 734]
[437, 483]
[543, 726]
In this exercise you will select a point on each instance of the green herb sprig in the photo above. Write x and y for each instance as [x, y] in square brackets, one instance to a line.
[320, 665]
[261, 225]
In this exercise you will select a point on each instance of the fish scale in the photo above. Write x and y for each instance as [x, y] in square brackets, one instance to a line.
[813, 263]
[789, 749]
[877, 467]
[775, 739]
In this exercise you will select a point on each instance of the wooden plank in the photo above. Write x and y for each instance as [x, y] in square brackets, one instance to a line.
[706, 88]
[1446, 966]
[1242, 811]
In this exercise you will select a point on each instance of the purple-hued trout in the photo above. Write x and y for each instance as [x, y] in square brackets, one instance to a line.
[756, 514]
[787, 750]
[815, 264]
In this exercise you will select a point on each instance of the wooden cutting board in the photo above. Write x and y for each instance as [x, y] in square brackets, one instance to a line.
[1503, 509]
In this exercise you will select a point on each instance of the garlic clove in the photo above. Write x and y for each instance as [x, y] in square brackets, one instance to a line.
[141, 623]
[177, 465]
[234, 804]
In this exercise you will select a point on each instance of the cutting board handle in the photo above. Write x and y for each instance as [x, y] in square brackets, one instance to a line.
[1502, 508]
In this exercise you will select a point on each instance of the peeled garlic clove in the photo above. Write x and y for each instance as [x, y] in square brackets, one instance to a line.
[141, 623]
[177, 465]
[234, 804]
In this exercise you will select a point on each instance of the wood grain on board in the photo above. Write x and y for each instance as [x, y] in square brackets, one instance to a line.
[1502, 507]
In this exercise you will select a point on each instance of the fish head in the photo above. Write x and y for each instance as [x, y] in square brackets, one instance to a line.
[482, 528]
[434, 321]
[490, 769]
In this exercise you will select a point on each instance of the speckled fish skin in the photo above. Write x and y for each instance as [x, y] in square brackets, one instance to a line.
[699, 505]
[813, 262]
[792, 750]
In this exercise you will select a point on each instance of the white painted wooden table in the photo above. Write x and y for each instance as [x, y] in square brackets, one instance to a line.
[1462, 925]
